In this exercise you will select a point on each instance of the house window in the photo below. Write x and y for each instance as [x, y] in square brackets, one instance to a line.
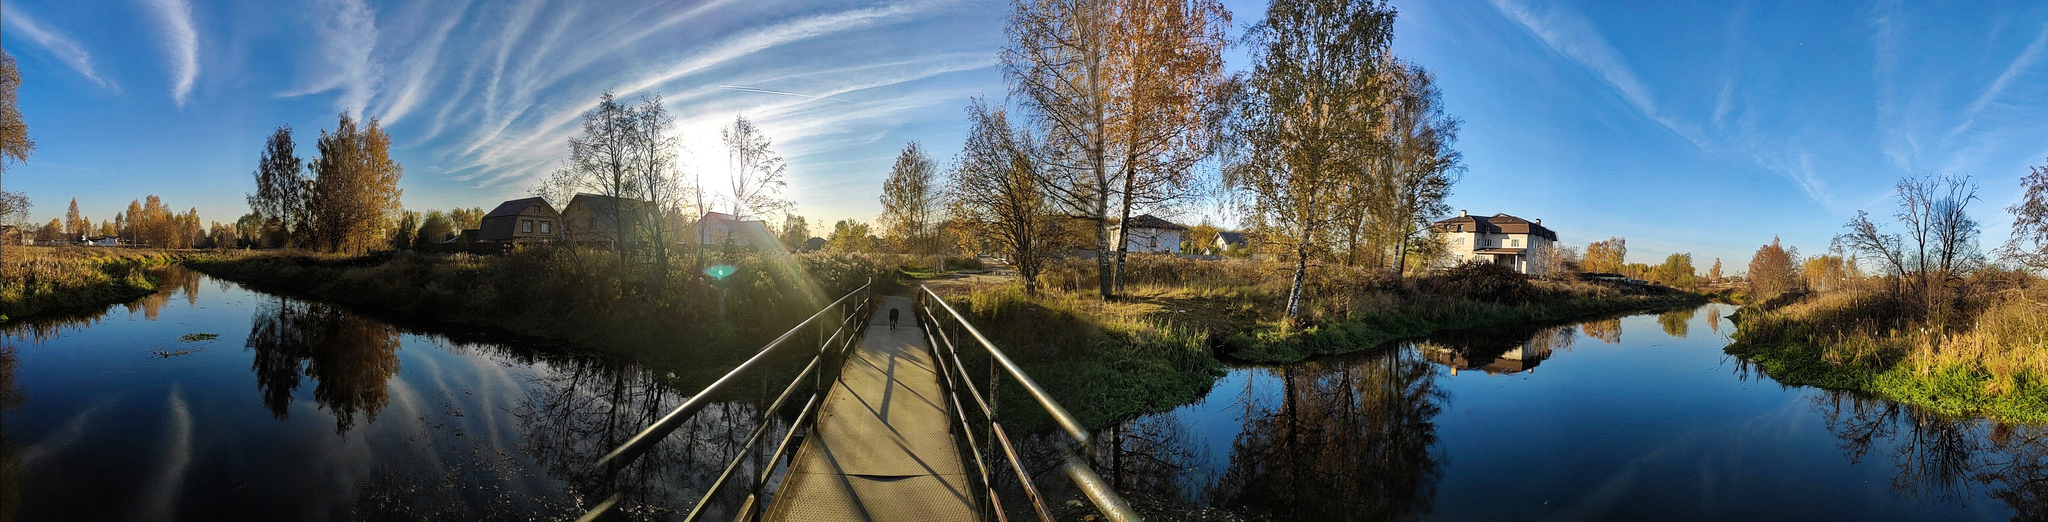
[1461, 242]
[546, 227]
[526, 226]
[1155, 242]
[1517, 242]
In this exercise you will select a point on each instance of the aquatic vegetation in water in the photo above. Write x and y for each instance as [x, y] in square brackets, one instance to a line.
[197, 337]
[166, 354]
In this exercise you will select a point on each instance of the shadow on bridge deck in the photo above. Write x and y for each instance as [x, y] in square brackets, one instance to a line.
[883, 447]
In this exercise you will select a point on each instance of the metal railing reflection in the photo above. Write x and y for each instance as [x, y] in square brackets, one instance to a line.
[852, 310]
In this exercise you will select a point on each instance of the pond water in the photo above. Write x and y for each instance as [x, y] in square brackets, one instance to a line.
[1632, 418]
[210, 401]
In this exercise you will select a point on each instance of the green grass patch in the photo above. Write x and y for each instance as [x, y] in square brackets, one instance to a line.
[197, 337]
[1949, 391]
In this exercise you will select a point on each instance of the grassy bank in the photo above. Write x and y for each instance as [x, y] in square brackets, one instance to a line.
[1161, 345]
[1983, 352]
[1102, 364]
[1344, 309]
[679, 319]
[38, 280]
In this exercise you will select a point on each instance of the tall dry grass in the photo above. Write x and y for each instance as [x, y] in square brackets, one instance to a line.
[1985, 336]
[35, 280]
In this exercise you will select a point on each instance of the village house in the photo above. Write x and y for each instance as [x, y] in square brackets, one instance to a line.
[1227, 242]
[1154, 235]
[595, 219]
[719, 228]
[12, 236]
[1499, 239]
[529, 220]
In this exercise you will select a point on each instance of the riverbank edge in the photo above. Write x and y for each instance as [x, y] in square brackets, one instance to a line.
[580, 329]
[1951, 391]
[132, 282]
[1266, 344]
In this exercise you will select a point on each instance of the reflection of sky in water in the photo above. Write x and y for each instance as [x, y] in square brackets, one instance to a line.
[1638, 418]
[110, 430]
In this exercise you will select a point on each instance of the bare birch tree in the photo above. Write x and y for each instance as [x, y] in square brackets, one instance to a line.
[602, 160]
[1308, 117]
[281, 186]
[756, 171]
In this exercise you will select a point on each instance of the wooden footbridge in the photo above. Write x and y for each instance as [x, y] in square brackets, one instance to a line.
[902, 432]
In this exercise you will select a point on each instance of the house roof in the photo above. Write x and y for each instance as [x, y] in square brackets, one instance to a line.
[601, 203]
[514, 207]
[1151, 221]
[1496, 224]
[1235, 238]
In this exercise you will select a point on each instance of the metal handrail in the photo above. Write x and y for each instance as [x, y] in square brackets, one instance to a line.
[1078, 469]
[634, 447]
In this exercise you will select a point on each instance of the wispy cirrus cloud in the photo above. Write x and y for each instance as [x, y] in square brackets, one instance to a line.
[1572, 36]
[181, 41]
[347, 31]
[63, 47]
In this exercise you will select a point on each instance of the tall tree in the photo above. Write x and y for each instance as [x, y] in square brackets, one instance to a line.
[281, 186]
[849, 235]
[466, 218]
[911, 201]
[2029, 244]
[1773, 270]
[354, 198]
[15, 145]
[1940, 239]
[1308, 117]
[1416, 174]
[434, 229]
[755, 171]
[996, 195]
[795, 231]
[1126, 94]
[602, 161]
[74, 223]
[1714, 273]
[1610, 256]
[654, 148]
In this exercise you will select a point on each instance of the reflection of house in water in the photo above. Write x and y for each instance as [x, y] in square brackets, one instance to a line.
[1495, 352]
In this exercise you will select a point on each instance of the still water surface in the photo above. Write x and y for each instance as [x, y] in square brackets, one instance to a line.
[1632, 418]
[303, 411]
[299, 410]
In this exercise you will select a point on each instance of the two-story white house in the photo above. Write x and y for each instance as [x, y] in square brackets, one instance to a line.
[1151, 234]
[1500, 239]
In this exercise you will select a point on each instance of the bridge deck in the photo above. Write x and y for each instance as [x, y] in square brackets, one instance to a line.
[883, 447]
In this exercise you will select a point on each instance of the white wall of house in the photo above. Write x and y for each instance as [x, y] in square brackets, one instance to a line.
[1165, 241]
[1464, 246]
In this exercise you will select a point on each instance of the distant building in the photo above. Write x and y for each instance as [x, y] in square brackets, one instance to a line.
[719, 228]
[1151, 234]
[104, 241]
[814, 244]
[9, 235]
[527, 220]
[595, 219]
[1499, 239]
[1227, 242]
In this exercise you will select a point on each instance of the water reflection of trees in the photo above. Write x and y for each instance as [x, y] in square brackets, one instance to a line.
[172, 282]
[349, 357]
[1606, 330]
[585, 407]
[1351, 439]
[1676, 321]
[1944, 460]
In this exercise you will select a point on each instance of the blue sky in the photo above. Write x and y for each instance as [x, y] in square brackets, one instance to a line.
[1704, 127]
